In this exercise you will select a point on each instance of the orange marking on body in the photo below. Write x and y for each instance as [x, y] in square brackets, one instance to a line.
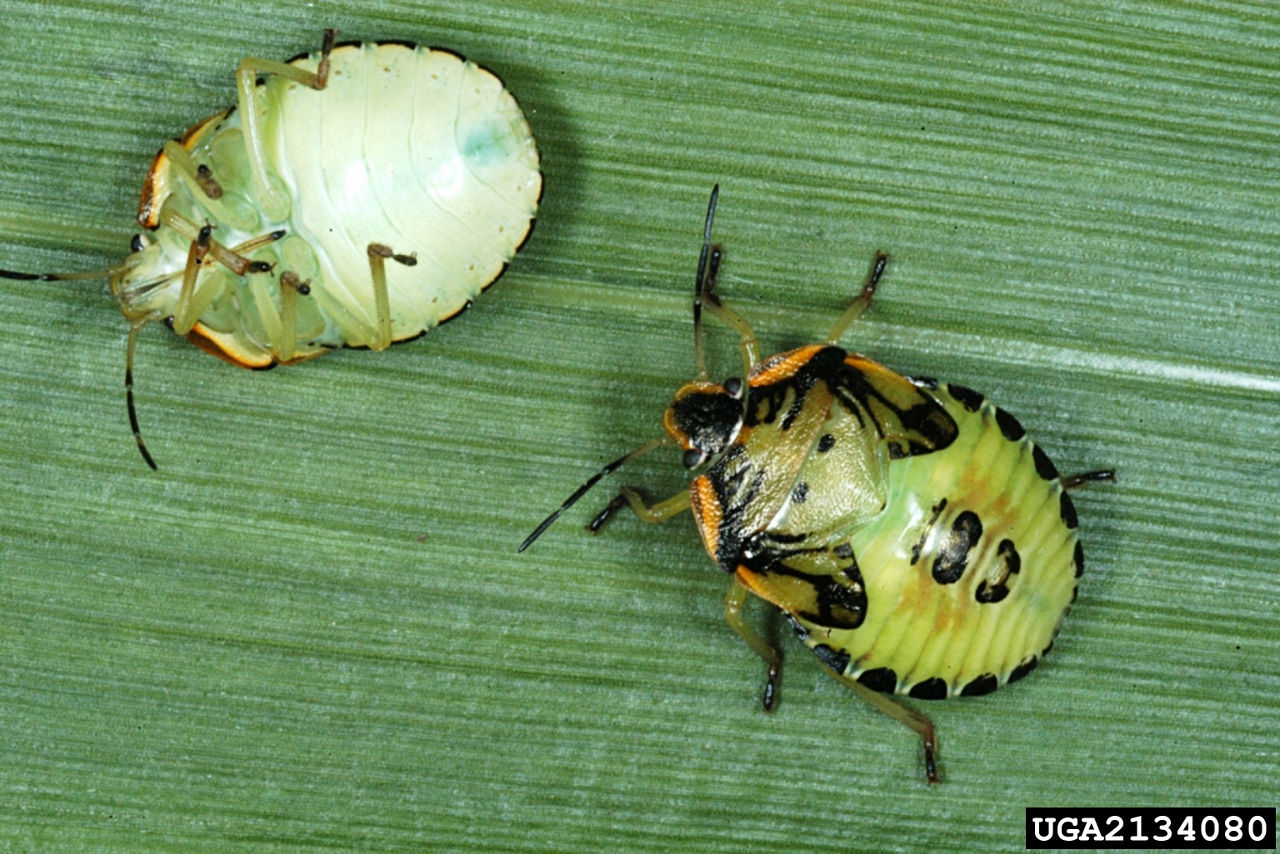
[783, 366]
[148, 206]
[751, 581]
[673, 429]
[775, 595]
[204, 338]
[706, 512]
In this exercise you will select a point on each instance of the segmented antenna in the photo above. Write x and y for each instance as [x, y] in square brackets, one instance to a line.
[133, 333]
[699, 281]
[586, 487]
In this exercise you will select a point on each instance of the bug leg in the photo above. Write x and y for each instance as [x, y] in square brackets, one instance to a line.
[378, 255]
[232, 259]
[205, 189]
[747, 344]
[202, 185]
[187, 311]
[772, 657]
[198, 177]
[290, 287]
[1074, 481]
[317, 79]
[653, 513]
[274, 202]
[704, 294]
[861, 301]
[195, 296]
[902, 714]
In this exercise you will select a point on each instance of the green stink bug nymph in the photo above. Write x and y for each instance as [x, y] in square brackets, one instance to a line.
[357, 196]
[914, 537]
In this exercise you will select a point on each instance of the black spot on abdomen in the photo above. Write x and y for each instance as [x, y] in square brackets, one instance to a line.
[929, 689]
[1024, 668]
[1009, 426]
[881, 679]
[1067, 510]
[968, 398]
[935, 512]
[953, 555]
[1044, 466]
[984, 684]
[1011, 564]
[831, 657]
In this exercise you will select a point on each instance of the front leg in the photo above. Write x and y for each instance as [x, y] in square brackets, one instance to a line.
[654, 513]
[747, 344]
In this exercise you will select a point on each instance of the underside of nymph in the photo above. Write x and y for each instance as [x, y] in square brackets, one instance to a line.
[206, 256]
[218, 261]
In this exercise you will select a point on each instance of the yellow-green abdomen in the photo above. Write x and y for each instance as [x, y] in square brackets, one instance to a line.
[969, 569]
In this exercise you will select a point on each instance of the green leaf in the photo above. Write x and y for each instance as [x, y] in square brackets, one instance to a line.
[311, 628]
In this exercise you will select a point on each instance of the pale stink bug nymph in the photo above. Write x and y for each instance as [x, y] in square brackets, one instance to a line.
[357, 197]
[917, 541]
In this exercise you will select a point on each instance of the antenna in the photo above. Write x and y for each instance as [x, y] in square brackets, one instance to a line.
[699, 281]
[133, 334]
[586, 487]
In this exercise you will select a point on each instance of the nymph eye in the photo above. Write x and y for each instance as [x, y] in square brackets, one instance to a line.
[694, 457]
[733, 386]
